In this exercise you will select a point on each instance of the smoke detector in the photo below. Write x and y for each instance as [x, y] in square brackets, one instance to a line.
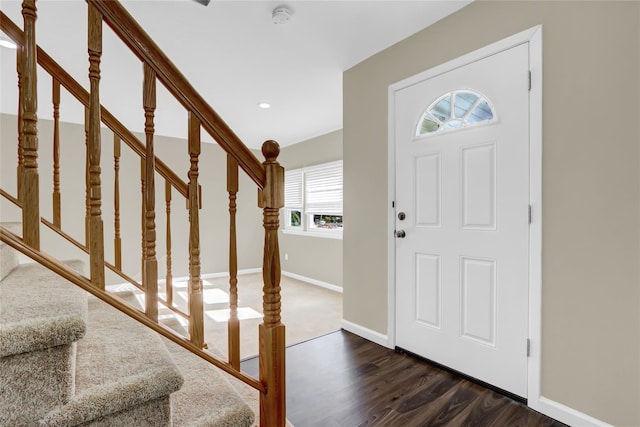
[281, 15]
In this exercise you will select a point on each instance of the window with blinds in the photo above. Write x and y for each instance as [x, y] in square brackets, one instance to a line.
[313, 199]
[293, 199]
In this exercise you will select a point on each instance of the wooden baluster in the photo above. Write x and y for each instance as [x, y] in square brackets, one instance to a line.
[117, 240]
[19, 67]
[57, 221]
[150, 261]
[234, 323]
[196, 319]
[96, 232]
[169, 277]
[272, 331]
[30, 191]
[87, 205]
[143, 178]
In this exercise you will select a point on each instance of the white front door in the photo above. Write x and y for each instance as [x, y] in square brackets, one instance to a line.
[462, 183]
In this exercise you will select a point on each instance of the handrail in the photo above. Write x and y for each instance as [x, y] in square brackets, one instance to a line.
[57, 267]
[130, 32]
[77, 91]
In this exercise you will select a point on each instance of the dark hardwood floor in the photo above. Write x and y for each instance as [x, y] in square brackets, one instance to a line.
[343, 380]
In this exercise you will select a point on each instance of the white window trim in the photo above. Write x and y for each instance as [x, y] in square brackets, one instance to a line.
[305, 229]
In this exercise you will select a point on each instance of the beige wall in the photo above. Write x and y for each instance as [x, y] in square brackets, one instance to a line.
[214, 216]
[318, 258]
[591, 282]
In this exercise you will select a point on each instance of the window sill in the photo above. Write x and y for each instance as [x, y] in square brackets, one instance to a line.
[326, 235]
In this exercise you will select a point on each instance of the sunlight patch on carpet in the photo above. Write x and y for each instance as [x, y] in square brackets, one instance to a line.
[210, 296]
[223, 315]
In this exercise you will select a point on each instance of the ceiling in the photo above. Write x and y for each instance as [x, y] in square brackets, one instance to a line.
[233, 54]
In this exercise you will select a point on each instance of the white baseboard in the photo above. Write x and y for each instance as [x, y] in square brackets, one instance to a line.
[365, 333]
[565, 414]
[226, 273]
[313, 281]
[215, 275]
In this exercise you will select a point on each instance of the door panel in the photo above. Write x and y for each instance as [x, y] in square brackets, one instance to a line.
[427, 183]
[478, 299]
[428, 289]
[479, 187]
[462, 269]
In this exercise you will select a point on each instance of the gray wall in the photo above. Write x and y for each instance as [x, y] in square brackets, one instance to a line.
[590, 277]
[214, 216]
[318, 258]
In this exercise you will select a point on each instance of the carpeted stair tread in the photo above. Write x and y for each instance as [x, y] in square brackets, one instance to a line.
[207, 399]
[39, 309]
[120, 366]
[42, 316]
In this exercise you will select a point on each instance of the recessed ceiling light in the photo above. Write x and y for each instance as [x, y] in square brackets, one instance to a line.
[8, 44]
[264, 105]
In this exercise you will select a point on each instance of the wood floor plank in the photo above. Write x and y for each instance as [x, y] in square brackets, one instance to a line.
[484, 411]
[343, 380]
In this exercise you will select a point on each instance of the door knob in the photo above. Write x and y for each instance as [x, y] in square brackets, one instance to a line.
[400, 234]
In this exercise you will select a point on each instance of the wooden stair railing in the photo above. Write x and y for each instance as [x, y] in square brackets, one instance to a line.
[121, 134]
[73, 276]
[268, 176]
[139, 42]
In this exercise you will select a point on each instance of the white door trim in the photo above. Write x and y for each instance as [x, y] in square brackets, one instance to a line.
[533, 37]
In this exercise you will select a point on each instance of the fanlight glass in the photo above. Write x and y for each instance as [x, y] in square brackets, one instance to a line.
[455, 110]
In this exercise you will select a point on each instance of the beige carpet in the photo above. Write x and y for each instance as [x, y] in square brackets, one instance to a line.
[308, 311]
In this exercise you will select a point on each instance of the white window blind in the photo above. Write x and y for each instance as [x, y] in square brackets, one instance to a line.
[323, 189]
[293, 189]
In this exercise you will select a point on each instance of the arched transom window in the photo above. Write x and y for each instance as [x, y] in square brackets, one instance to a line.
[455, 110]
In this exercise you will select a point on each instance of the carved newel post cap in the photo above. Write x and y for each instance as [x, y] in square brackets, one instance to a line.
[270, 150]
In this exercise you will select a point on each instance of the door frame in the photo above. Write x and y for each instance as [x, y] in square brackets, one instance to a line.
[532, 36]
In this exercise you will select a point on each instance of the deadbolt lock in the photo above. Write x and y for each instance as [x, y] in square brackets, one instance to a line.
[401, 216]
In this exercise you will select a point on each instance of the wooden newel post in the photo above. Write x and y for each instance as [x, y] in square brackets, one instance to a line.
[29, 184]
[233, 327]
[117, 240]
[87, 207]
[196, 313]
[96, 231]
[143, 217]
[19, 67]
[57, 220]
[150, 261]
[272, 331]
[169, 276]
